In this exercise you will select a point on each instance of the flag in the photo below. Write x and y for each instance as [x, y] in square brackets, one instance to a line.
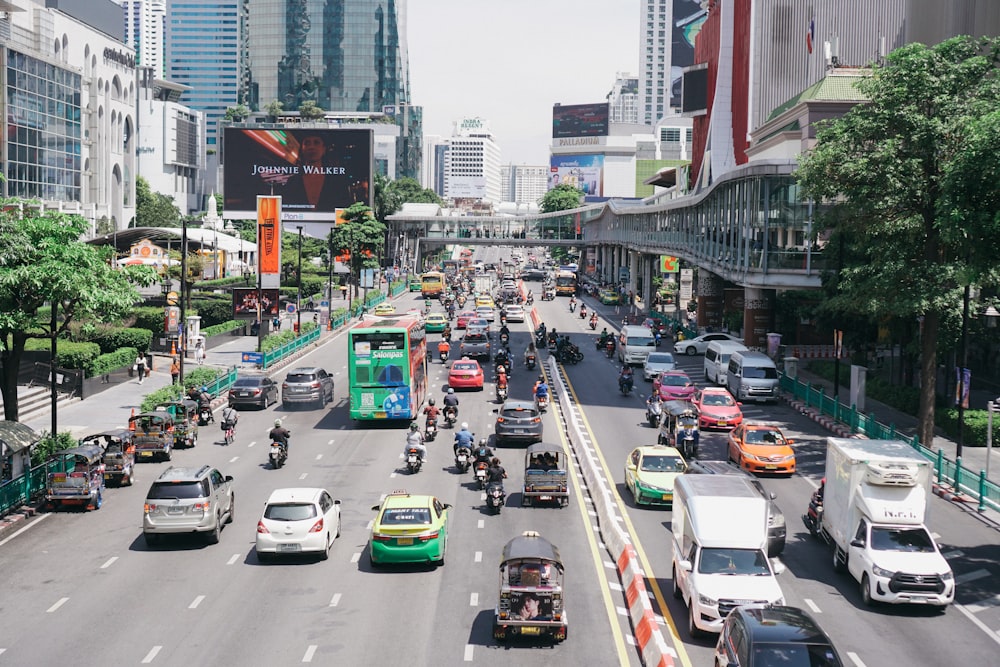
[811, 35]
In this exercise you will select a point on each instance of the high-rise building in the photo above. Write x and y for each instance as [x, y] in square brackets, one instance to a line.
[666, 44]
[524, 184]
[144, 32]
[472, 162]
[623, 100]
[205, 50]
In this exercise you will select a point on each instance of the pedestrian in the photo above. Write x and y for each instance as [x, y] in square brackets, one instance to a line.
[140, 366]
[175, 370]
[199, 352]
[276, 323]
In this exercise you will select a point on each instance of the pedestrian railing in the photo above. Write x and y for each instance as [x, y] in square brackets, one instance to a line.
[221, 384]
[30, 485]
[946, 471]
[279, 353]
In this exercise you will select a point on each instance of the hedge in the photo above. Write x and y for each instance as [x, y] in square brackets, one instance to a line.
[225, 282]
[225, 327]
[149, 317]
[106, 363]
[47, 445]
[213, 308]
[68, 354]
[276, 340]
[119, 337]
[195, 378]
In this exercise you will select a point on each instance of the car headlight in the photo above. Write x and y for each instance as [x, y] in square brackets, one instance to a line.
[650, 487]
[707, 601]
[777, 520]
[881, 572]
[947, 576]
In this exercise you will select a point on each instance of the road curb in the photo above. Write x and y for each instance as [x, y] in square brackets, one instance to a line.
[830, 424]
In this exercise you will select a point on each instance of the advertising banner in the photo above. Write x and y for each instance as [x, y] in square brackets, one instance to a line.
[669, 264]
[315, 171]
[530, 606]
[688, 17]
[269, 241]
[245, 303]
[585, 172]
[580, 120]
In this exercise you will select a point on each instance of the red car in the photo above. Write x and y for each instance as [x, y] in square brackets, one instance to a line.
[717, 408]
[675, 386]
[466, 374]
[463, 318]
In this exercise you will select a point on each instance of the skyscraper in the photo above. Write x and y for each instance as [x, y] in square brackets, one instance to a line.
[623, 100]
[144, 32]
[472, 162]
[667, 46]
[205, 50]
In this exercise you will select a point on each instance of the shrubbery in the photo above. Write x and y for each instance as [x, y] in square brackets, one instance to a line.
[49, 445]
[198, 377]
[106, 363]
[276, 340]
[117, 338]
[68, 354]
[225, 327]
[149, 317]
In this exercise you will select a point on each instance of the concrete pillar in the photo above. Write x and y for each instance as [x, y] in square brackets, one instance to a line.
[758, 316]
[710, 294]
[633, 274]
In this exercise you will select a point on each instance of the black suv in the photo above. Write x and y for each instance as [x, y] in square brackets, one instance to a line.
[775, 519]
[773, 636]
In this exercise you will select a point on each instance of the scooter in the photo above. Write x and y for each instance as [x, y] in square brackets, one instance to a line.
[593, 323]
[205, 416]
[481, 470]
[813, 518]
[277, 455]
[654, 413]
[541, 340]
[531, 299]
[542, 402]
[501, 393]
[583, 312]
[625, 386]
[572, 306]
[495, 497]
[504, 339]
[462, 457]
[609, 348]
[413, 461]
[450, 416]
[529, 361]
[430, 430]
[443, 356]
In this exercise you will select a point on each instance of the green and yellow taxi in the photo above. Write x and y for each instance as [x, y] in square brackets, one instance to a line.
[650, 473]
[435, 322]
[385, 309]
[414, 284]
[608, 297]
[409, 528]
[485, 300]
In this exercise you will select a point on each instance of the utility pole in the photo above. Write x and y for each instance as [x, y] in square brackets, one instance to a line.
[298, 305]
[182, 325]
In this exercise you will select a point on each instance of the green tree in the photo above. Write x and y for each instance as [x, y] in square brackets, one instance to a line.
[238, 113]
[153, 209]
[43, 261]
[561, 198]
[273, 109]
[360, 240]
[408, 190]
[908, 175]
[387, 200]
[308, 110]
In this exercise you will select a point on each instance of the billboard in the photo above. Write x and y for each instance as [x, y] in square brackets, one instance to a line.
[269, 246]
[467, 187]
[245, 303]
[580, 120]
[689, 16]
[314, 171]
[585, 172]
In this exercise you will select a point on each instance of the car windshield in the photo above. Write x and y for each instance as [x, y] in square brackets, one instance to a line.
[398, 516]
[760, 373]
[660, 463]
[518, 413]
[247, 382]
[290, 511]
[794, 655]
[733, 562]
[300, 377]
[172, 490]
[902, 539]
[640, 341]
[475, 338]
[660, 358]
[675, 380]
[717, 399]
[764, 437]
[464, 367]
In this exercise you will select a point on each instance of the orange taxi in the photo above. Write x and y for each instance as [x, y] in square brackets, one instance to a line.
[760, 447]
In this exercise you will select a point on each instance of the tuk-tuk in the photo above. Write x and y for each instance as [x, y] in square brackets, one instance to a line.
[152, 435]
[679, 427]
[81, 480]
[119, 454]
[185, 413]
[531, 590]
[545, 475]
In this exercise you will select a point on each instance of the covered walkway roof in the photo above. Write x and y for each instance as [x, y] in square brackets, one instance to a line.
[198, 239]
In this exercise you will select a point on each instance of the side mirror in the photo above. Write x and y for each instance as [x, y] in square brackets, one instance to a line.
[336, 502]
[229, 478]
[858, 543]
[685, 565]
[447, 506]
[773, 495]
[375, 508]
[496, 410]
[779, 567]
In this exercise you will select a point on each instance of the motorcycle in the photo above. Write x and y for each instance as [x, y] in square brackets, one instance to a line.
[481, 470]
[593, 323]
[413, 461]
[529, 361]
[625, 385]
[553, 339]
[541, 340]
[430, 430]
[542, 402]
[427, 306]
[657, 337]
[570, 355]
[654, 413]
[450, 416]
[205, 416]
[531, 299]
[507, 367]
[813, 518]
[572, 306]
[609, 348]
[495, 497]
[504, 338]
[277, 455]
[501, 393]
[583, 312]
[443, 356]
[462, 457]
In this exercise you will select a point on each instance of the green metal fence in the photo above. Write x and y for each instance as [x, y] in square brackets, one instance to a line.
[222, 383]
[986, 493]
[279, 353]
[30, 485]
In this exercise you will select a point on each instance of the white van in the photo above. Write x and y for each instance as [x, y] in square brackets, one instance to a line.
[634, 344]
[752, 376]
[717, 359]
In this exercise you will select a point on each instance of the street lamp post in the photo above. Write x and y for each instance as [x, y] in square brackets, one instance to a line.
[298, 305]
[329, 281]
[182, 325]
[960, 393]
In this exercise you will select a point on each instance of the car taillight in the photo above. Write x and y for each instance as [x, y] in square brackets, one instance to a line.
[232, 393]
[261, 528]
[536, 420]
[499, 420]
[204, 507]
[428, 537]
[317, 527]
[314, 385]
[377, 537]
[284, 386]
[148, 507]
[256, 391]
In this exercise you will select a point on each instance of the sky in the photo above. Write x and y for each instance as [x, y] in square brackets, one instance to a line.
[509, 61]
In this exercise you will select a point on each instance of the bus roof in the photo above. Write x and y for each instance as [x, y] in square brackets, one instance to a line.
[398, 321]
[431, 273]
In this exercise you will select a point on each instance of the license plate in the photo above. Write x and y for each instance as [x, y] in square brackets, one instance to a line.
[771, 467]
[145, 453]
[107, 476]
[721, 423]
[245, 394]
[667, 496]
[545, 497]
[175, 510]
[519, 430]
[531, 630]
[289, 547]
[404, 541]
[462, 458]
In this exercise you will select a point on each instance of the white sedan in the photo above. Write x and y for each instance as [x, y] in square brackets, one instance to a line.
[486, 313]
[515, 313]
[700, 344]
[298, 521]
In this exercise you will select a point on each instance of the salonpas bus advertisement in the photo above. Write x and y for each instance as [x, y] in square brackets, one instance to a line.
[386, 368]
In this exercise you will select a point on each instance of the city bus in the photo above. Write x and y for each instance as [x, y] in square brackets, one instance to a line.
[387, 368]
[565, 283]
[450, 266]
[432, 284]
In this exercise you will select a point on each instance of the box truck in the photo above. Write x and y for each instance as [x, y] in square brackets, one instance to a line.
[875, 500]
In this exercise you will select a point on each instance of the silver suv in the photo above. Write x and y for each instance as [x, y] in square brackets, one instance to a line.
[188, 500]
[307, 385]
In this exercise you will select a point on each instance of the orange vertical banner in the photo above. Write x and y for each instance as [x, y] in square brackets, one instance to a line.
[269, 235]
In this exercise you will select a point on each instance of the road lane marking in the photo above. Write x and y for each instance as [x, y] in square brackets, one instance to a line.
[109, 562]
[252, 443]
[319, 456]
[622, 611]
[468, 652]
[371, 522]
[330, 441]
[971, 576]
[630, 639]
[31, 525]
[234, 459]
[995, 636]
[953, 554]
[335, 600]
[392, 475]
[474, 600]
[232, 559]
[303, 475]
[855, 659]
[356, 557]
[482, 496]
[481, 523]
[608, 564]
[983, 604]
[812, 605]
[615, 586]
[56, 606]
[197, 601]
[151, 655]
[935, 537]
[310, 652]
[479, 557]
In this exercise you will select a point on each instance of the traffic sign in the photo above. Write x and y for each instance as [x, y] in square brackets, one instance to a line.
[324, 304]
[253, 357]
[290, 308]
[172, 298]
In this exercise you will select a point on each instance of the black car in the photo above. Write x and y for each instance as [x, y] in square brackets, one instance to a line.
[773, 636]
[258, 390]
[534, 274]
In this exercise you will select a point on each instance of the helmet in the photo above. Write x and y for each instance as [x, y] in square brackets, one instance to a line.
[502, 370]
[277, 423]
[541, 378]
[414, 426]
[465, 426]
[205, 389]
[430, 402]
[451, 390]
[482, 442]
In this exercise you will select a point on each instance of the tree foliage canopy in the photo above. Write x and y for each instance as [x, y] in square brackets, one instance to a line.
[911, 179]
[408, 190]
[153, 209]
[563, 197]
[361, 240]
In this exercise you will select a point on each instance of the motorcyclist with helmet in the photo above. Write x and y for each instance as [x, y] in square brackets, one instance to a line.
[482, 454]
[415, 440]
[541, 389]
[432, 411]
[280, 434]
[463, 438]
[451, 402]
[444, 349]
[625, 378]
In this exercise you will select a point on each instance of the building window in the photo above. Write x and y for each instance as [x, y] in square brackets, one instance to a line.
[670, 135]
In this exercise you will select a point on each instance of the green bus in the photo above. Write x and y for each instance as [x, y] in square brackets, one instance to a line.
[387, 367]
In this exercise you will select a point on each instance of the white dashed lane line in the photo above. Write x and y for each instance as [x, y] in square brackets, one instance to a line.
[474, 600]
[234, 459]
[197, 601]
[479, 557]
[335, 600]
[151, 655]
[812, 605]
[56, 606]
[303, 475]
[855, 659]
[109, 562]
[232, 559]
[319, 456]
[310, 652]
[356, 557]
[468, 652]
[971, 576]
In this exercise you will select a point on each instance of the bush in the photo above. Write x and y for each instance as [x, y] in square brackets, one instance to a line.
[68, 354]
[124, 356]
[197, 378]
[117, 338]
[276, 340]
[224, 282]
[225, 327]
[48, 445]
[213, 309]
[149, 317]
